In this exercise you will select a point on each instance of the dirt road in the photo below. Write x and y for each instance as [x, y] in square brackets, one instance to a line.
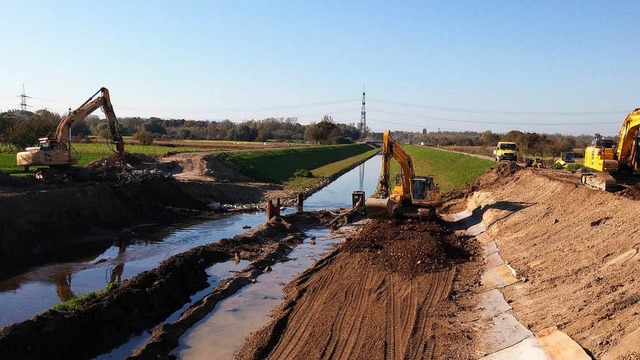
[382, 295]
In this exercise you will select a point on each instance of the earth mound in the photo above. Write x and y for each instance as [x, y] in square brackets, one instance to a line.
[411, 247]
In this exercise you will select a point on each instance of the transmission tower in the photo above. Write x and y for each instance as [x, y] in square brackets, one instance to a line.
[363, 117]
[23, 100]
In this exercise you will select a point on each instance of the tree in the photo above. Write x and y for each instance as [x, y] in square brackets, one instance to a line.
[488, 138]
[22, 132]
[154, 125]
[80, 128]
[144, 137]
[324, 132]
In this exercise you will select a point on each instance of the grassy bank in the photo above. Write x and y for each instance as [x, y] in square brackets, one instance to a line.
[299, 184]
[280, 165]
[450, 170]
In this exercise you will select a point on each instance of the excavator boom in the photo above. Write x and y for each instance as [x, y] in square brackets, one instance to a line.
[57, 151]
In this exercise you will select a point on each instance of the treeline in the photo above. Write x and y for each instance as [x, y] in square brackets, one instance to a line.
[24, 128]
[531, 143]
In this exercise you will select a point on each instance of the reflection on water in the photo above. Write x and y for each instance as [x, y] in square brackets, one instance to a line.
[223, 331]
[38, 289]
[216, 273]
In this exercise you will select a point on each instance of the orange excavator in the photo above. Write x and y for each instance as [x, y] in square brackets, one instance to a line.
[411, 194]
[57, 152]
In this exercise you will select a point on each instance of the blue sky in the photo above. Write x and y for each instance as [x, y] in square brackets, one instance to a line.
[544, 66]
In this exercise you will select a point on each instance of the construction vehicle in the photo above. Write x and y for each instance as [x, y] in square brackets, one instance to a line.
[566, 158]
[534, 161]
[606, 156]
[57, 152]
[506, 150]
[411, 194]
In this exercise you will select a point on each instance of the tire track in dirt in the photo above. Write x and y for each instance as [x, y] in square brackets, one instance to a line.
[352, 306]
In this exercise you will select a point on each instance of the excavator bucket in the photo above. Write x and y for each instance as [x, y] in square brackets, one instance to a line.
[379, 208]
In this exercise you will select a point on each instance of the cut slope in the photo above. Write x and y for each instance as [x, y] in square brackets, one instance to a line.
[577, 251]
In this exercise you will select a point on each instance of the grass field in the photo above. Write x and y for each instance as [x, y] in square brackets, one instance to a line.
[450, 170]
[97, 150]
[90, 152]
[280, 165]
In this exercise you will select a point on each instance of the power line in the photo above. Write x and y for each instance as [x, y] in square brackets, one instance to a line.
[413, 125]
[489, 122]
[501, 112]
[232, 110]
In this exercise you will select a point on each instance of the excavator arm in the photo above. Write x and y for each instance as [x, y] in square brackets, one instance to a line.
[84, 110]
[384, 201]
[391, 149]
[627, 140]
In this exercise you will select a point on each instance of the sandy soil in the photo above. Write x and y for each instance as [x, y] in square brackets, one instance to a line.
[386, 294]
[576, 250]
[200, 166]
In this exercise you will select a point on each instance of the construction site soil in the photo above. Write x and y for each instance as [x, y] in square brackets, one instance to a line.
[575, 250]
[386, 293]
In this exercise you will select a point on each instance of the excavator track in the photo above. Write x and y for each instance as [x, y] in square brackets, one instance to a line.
[603, 182]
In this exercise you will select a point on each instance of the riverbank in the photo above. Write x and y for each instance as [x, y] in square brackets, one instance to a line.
[52, 222]
[109, 318]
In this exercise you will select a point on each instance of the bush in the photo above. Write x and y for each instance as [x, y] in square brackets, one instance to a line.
[303, 173]
[557, 166]
[572, 168]
[144, 137]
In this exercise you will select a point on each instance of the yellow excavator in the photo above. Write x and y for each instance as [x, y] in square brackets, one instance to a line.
[57, 152]
[411, 195]
[608, 157]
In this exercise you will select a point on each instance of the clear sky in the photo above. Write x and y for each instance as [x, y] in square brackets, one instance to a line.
[454, 65]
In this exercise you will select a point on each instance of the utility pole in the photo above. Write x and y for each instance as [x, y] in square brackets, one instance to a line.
[363, 117]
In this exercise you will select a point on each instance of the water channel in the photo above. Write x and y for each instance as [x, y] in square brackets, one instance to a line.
[34, 291]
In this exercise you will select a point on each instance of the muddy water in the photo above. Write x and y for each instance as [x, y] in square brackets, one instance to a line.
[223, 332]
[216, 273]
[36, 290]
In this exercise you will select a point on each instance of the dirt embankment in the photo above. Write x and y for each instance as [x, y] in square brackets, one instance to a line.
[48, 221]
[143, 301]
[35, 223]
[387, 293]
[576, 252]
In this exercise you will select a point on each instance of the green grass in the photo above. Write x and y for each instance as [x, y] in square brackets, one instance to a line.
[299, 184]
[90, 152]
[450, 170]
[279, 165]
[78, 301]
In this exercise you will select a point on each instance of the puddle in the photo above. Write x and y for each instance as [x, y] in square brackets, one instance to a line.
[217, 273]
[223, 331]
